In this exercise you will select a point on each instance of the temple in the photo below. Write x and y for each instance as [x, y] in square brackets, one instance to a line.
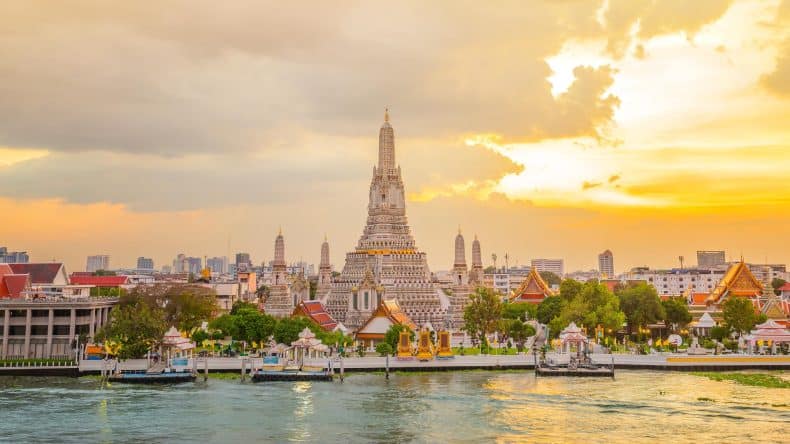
[533, 290]
[740, 282]
[386, 262]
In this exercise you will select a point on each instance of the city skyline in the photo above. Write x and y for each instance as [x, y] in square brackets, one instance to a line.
[598, 135]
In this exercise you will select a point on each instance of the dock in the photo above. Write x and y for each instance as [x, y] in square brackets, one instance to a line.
[264, 376]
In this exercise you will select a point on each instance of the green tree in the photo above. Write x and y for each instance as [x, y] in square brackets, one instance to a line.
[641, 305]
[777, 283]
[392, 335]
[550, 278]
[677, 312]
[288, 329]
[739, 314]
[719, 333]
[184, 306]
[137, 327]
[519, 310]
[482, 313]
[225, 324]
[241, 305]
[383, 349]
[199, 336]
[549, 309]
[520, 332]
[570, 288]
[252, 325]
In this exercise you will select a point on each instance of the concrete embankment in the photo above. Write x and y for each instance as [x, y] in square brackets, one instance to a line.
[669, 362]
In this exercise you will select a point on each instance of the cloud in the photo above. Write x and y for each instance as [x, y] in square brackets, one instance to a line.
[627, 21]
[588, 185]
[778, 81]
[613, 178]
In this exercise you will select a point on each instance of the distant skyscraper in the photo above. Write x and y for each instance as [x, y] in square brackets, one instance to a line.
[98, 262]
[710, 259]
[13, 257]
[606, 264]
[556, 266]
[145, 263]
[217, 264]
[180, 264]
[243, 261]
[195, 265]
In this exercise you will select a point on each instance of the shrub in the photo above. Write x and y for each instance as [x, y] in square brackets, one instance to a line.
[383, 349]
[719, 333]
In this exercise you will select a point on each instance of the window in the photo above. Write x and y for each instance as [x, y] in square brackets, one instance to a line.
[367, 300]
[356, 301]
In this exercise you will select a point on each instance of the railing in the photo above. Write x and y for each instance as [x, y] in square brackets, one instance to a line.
[58, 361]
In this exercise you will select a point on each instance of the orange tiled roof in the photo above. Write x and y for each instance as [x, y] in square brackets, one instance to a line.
[533, 286]
[315, 311]
[738, 281]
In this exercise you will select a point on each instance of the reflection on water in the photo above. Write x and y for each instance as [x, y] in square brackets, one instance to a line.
[435, 407]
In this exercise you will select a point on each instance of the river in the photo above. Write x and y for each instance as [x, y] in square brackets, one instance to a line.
[468, 406]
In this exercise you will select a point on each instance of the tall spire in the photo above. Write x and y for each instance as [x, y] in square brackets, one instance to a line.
[324, 253]
[279, 249]
[460, 250]
[477, 259]
[386, 146]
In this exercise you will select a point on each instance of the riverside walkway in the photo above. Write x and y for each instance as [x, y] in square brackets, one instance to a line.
[663, 361]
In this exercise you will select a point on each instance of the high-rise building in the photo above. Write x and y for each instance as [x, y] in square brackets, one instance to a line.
[180, 264]
[243, 261]
[708, 260]
[556, 266]
[145, 263]
[195, 265]
[386, 263]
[606, 264]
[98, 262]
[217, 264]
[13, 257]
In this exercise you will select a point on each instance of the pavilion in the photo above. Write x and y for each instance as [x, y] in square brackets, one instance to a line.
[573, 336]
[386, 315]
[770, 333]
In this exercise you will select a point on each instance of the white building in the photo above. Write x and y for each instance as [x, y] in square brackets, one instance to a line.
[556, 266]
[674, 282]
[98, 262]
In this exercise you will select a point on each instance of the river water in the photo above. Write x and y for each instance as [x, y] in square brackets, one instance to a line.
[470, 406]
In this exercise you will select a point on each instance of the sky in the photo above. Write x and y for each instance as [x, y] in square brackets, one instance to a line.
[549, 129]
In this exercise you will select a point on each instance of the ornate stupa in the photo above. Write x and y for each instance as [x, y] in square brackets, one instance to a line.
[476, 274]
[324, 272]
[461, 287]
[279, 302]
[386, 259]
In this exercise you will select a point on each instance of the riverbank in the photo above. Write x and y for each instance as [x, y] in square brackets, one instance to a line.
[664, 362]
